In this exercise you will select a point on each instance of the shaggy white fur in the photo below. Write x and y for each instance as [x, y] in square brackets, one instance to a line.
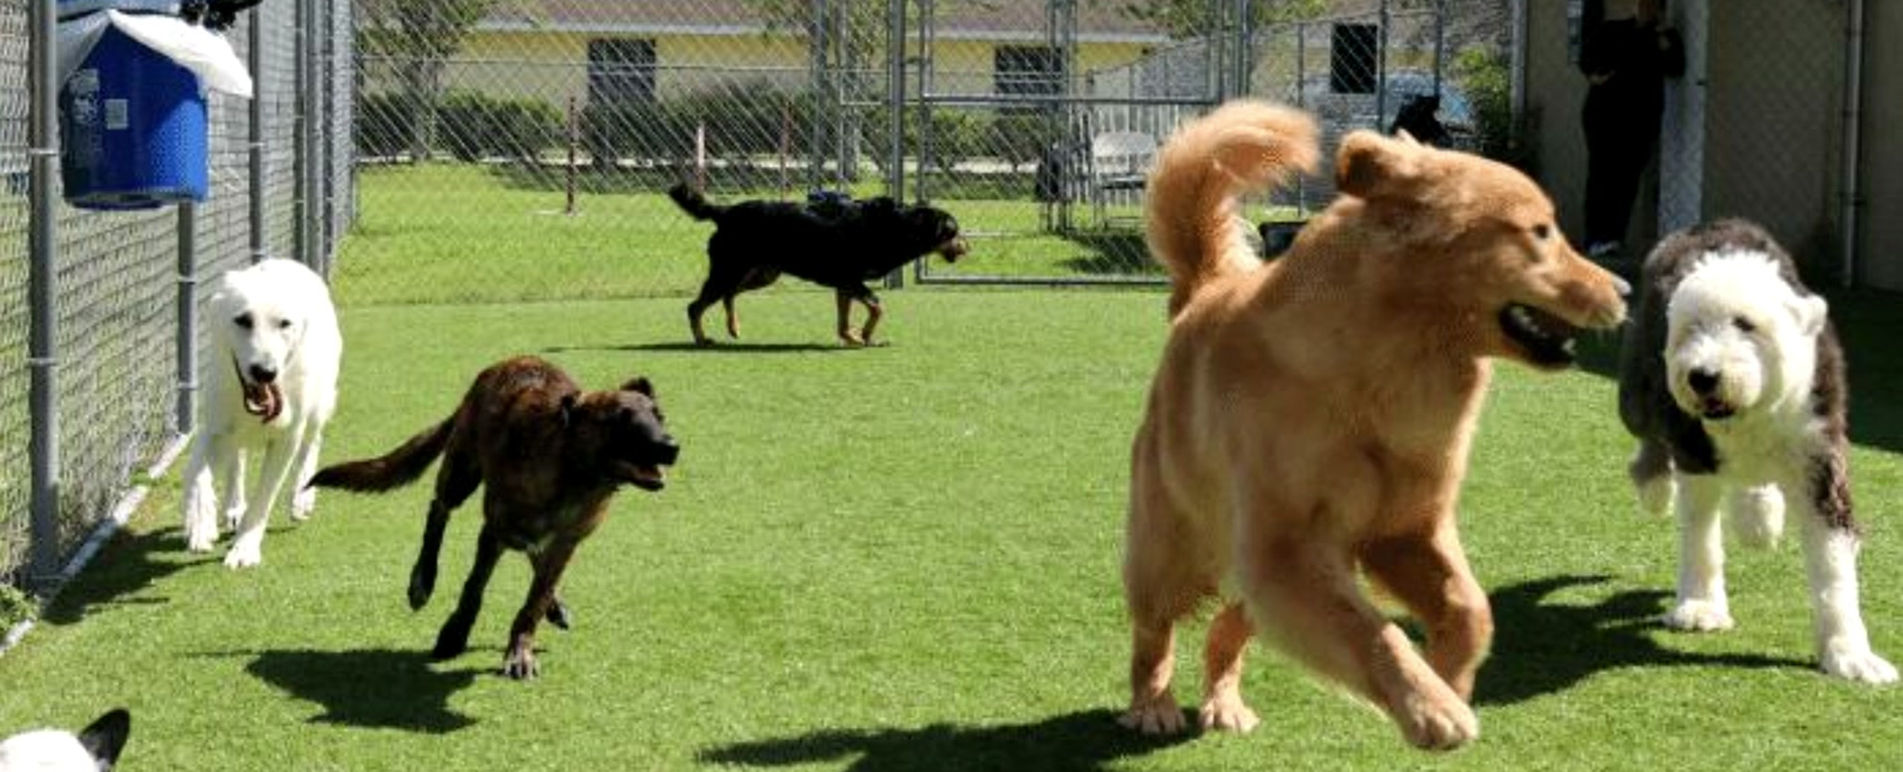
[1741, 356]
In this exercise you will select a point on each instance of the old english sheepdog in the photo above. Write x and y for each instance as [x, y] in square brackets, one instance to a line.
[1733, 381]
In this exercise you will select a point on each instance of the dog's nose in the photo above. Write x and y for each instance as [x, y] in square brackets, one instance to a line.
[1702, 381]
[670, 451]
[262, 374]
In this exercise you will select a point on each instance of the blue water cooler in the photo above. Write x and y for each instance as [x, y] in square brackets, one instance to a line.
[132, 122]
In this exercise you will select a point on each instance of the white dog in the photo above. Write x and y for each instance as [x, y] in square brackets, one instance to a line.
[268, 386]
[95, 749]
[1733, 380]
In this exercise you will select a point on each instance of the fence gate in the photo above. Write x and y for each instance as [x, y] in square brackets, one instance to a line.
[1035, 125]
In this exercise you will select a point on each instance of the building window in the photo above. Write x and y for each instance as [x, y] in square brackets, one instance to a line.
[1027, 70]
[620, 71]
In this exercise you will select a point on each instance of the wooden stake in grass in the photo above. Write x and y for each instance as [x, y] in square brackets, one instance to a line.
[573, 140]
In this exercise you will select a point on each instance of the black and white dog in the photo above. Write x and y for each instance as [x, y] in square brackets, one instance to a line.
[1733, 380]
[95, 749]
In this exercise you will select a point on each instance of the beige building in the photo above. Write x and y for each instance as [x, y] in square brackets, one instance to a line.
[557, 49]
[1756, 127]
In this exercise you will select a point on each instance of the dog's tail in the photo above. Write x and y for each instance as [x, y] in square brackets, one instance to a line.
[394, 469]
[693, 203]
[1195, 229]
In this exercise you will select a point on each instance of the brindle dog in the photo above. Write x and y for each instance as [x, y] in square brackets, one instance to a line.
[551, 454]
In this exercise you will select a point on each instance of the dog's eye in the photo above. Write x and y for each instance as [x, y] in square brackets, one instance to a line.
[1744, 325]
[284, 324]
[1542, 231]
[243, 320]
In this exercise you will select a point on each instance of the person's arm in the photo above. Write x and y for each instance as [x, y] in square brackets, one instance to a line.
[1595, 51]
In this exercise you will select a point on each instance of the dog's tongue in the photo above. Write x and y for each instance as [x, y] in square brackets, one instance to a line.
[263, 400]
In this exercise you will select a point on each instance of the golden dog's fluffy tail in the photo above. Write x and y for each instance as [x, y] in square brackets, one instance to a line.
[1195, 228]
[394, 469]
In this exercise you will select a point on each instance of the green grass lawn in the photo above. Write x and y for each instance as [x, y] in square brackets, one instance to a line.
[511, 241]
[901, 558]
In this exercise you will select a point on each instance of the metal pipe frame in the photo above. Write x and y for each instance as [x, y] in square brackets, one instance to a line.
[42, 290]
[187, 337]
[993, 100]
[302, 245]
[895, 115]
[255, 136]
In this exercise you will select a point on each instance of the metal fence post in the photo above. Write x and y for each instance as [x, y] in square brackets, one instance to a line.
[1381, 71]
[311, 108]
[300, 120]
[816, 131]
[42, 245]
[895, 114]
[254, 60]
[1440, 42]
[187, 337]
[1245, 46]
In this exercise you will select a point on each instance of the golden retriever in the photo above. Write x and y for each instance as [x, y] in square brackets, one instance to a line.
[1310, 420]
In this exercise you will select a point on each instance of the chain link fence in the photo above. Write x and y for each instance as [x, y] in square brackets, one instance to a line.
[1033, 123]
[119, 278]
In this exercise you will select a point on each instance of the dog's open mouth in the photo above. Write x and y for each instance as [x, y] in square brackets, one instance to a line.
[264, 400]
[1547, 339]
[647, 477]
[1715, 409]
[953, 248]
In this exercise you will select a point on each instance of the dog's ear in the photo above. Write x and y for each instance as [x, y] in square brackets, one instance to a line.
[639, 383]
[106, 736]
[1810, 311]
[1372, 166]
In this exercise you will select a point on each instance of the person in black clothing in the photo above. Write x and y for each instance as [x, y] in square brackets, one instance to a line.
[1626, 55]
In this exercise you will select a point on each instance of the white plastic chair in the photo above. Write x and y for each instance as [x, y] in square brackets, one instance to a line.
[1119, 160]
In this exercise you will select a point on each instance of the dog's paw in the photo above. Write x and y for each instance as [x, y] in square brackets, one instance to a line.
[1655, 496]
[451, 641]
[200, 537]
[422, 585]
[1439, 723]
[1857, 663]
[520, 664]
[1157, 716]
[303, 503]
[1698, 616]
[1227, 713]
[1757, 516]
[246, 552]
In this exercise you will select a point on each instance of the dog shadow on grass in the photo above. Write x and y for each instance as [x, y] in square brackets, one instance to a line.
[126, 564]
[688, 346]
[1075, 742]
[1547, 647]
[370, 688]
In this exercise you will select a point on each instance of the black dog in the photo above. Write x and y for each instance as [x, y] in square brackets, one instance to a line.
[1418, 118]
[842, 246]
